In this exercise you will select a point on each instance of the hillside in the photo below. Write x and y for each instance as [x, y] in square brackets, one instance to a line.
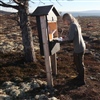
[95, 13]
[24, 81]
[5, 12]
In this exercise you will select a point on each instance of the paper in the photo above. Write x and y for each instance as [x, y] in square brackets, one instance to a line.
[58, 39]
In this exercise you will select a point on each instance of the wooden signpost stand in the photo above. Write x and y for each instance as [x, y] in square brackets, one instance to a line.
[46, 50]
[46, 17]
[54, 64]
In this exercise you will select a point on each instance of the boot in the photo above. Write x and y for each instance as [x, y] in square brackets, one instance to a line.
[80, 80]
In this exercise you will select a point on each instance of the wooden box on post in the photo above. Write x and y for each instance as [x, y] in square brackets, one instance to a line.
[46, 17]
[51, 20]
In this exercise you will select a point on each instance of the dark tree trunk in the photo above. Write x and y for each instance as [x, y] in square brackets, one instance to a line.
[26, 33]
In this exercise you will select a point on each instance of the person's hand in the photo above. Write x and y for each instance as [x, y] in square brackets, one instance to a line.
[60, 39]
[65, 39]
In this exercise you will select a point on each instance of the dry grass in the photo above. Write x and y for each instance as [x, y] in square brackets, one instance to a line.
[13, 64]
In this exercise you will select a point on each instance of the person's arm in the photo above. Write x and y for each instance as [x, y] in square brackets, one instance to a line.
[62, 40]
[72, 31]
[66, 39]
[70, 37]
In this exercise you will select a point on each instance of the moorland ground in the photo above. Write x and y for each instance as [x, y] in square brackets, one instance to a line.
[12, 64]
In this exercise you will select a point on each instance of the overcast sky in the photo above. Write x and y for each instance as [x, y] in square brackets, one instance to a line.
[63, 5]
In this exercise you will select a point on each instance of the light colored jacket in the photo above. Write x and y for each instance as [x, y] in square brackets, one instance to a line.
[75, 35]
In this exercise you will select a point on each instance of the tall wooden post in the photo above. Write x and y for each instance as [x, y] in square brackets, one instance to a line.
[46, 17]
[46, 50]
[54, 64]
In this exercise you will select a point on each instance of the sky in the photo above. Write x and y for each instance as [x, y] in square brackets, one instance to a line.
[62, 5]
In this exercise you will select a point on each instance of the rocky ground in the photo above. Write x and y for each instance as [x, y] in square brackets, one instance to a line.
[27, 81]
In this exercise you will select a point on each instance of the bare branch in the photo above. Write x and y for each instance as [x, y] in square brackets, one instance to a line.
[10, 1]
[58, 2]
[42, 2]
[51, 1]
[16, 1]
[7, 5]
[31, 1]
[21, 2]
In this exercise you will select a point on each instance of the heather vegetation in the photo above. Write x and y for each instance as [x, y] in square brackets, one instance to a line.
[14, 68]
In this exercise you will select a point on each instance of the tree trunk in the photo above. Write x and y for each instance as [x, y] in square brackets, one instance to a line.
[26, 33]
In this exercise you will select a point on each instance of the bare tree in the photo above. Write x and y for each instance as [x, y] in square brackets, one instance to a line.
[23, 11]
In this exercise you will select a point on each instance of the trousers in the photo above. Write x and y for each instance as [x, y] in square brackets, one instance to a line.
[79, 62]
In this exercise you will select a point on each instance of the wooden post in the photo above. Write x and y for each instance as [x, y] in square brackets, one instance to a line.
[54, 64]
[46, 50]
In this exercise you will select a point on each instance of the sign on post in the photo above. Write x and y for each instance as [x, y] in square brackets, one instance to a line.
[46, 50]
[46, 17]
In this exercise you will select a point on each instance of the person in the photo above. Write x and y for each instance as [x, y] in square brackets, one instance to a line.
[75, 36]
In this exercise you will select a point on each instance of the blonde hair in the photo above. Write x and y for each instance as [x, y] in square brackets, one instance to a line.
[69, 17]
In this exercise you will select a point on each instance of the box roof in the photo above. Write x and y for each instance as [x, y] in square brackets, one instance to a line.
[44, 10]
